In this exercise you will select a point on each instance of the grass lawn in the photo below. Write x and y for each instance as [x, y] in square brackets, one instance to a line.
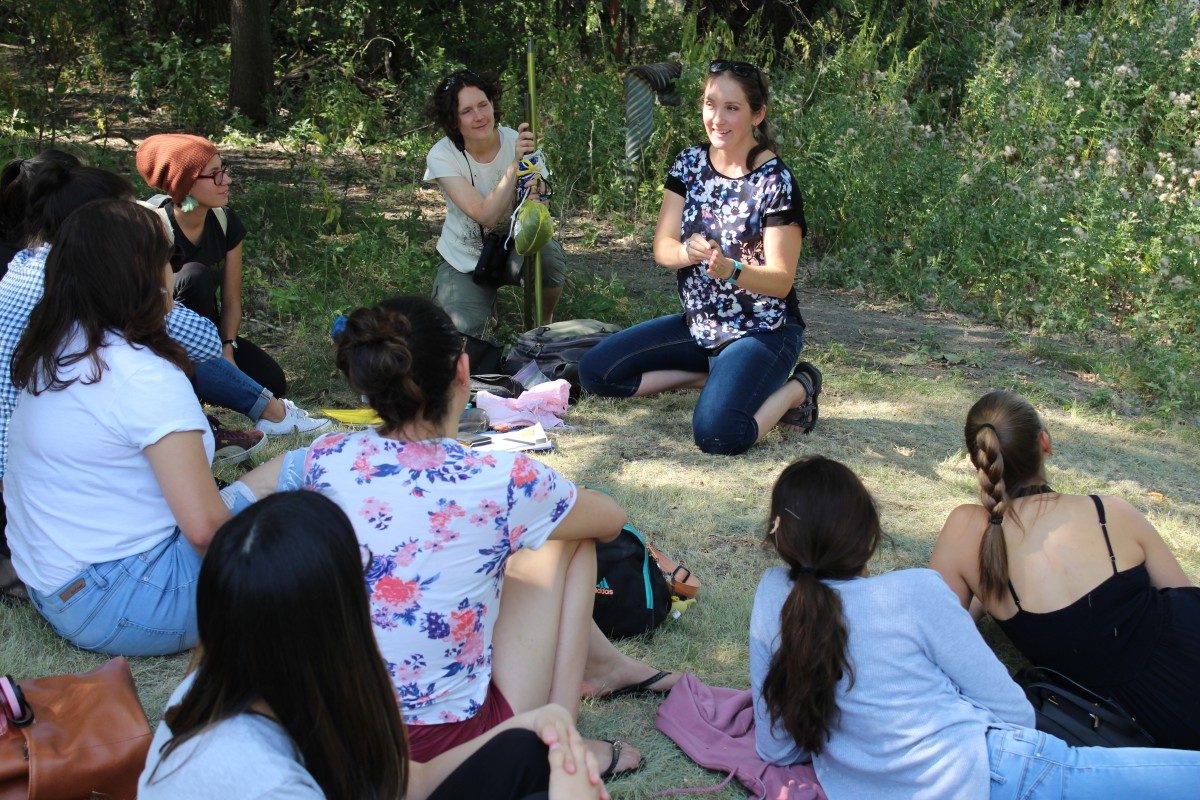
[897, 426]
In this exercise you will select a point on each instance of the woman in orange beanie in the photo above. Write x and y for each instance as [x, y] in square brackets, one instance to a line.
[189, 171]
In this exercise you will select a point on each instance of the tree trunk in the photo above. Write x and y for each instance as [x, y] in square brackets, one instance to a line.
[252, 67]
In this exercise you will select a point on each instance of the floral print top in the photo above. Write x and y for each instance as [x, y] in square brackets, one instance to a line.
[437, 521]
[733, 212]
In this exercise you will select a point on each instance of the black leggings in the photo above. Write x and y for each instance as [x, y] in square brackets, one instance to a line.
[511, 766]
[195, 287]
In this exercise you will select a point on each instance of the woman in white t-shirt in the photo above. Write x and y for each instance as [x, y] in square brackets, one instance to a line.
[445, 527]
[475, 166]
[109, 494]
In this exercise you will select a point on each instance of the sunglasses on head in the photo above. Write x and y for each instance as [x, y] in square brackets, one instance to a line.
[458, 79]
[743, 69]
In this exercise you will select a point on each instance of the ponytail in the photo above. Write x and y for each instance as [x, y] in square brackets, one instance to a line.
[800, 689]
[993, 553]
[1001, 435]
[764, 142]
[824, 525]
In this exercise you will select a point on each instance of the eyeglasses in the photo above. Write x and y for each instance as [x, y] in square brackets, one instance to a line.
[458, 79]
[222, 175]
[742, 69]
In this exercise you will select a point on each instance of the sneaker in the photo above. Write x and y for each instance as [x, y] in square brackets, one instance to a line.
[234, 447]
[295, 420]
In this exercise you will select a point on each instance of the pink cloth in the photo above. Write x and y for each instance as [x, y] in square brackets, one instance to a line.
[714, 727]
[544, 403]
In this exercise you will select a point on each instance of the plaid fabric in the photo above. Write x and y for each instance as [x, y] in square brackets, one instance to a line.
[21, 289]
[197, 334]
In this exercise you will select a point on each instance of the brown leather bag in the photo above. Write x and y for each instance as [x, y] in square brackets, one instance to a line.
[88, 737]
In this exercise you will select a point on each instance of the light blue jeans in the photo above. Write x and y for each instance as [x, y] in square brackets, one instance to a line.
[144, 604]
[1031, 765]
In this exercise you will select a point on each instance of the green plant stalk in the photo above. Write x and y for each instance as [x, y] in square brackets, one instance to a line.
[537, 257]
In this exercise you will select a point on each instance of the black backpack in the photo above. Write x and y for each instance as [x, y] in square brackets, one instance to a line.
[631, 593]
[557, 348]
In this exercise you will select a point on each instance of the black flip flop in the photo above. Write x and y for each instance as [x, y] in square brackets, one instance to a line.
[804, 416]
[611, 772]
[638, 688]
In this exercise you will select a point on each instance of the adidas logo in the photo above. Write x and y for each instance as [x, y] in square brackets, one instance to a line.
[602, 587]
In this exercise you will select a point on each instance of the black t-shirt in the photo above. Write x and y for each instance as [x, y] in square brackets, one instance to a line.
[213, 244]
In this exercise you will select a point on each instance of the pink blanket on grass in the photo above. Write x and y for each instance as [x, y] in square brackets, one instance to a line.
[544, 403]
[714, 727]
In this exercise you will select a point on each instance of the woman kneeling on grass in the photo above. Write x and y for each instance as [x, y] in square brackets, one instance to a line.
[109, 493]
[447, 527]
[887, 686]
[1081, 584]
[291, 698]
[730, 226]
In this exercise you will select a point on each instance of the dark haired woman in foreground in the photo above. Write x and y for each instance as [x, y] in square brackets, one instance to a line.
[447, 527]
[885, 683]
[730, 227]
[290, 697]
[475, 166]
[1081, 584]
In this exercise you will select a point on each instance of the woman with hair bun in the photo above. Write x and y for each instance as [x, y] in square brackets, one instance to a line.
[447, 527]
[1082, 584]
[885, 683]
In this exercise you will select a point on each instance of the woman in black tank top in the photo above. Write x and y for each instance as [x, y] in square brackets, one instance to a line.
[1112, 609]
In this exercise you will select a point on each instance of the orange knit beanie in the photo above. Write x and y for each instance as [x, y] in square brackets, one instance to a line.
[170, 162]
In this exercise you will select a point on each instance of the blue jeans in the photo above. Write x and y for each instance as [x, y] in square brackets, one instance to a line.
[741, 376]
[144, 604]
[1031, 765]
[141, 605]
[222, 384]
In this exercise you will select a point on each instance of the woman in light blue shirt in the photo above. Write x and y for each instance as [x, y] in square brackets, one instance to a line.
[885, 683]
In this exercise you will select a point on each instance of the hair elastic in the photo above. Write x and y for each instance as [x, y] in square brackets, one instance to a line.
[997, 519]
[802, 570]
[983, 425]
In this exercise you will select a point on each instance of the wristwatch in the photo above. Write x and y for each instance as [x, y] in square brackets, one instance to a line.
[231, 342]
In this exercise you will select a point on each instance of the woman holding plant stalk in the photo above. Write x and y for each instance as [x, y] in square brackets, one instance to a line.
[475, 166]
[731, 227]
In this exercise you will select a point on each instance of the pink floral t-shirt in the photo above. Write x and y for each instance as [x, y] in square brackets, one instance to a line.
[437, 521]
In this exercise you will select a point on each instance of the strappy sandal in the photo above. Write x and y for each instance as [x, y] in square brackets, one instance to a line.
[804, 416]
[612, 771]
[680, 580]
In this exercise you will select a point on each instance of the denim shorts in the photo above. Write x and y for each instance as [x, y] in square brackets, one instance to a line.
[140, 605]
